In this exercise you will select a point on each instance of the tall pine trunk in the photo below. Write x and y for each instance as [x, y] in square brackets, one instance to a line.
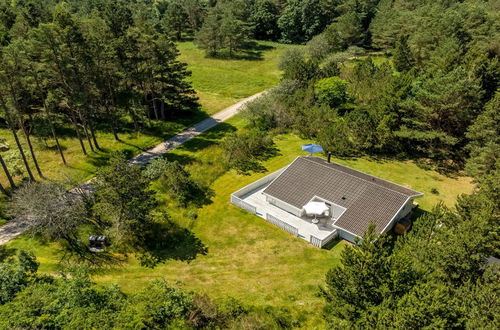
[7, 173]
[49, 120]
[54, 135]
[155, 109]
[30, 146]
[111, 115]
[75, 125]
[134, 119]
[8, 117]
[23, 156]
[162, 110]
[113, 122]
[83, 119]
[91, 122]
[87, 135]
[94, 137]
[2, 189]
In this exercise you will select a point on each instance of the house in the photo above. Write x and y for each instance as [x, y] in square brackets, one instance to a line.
[353, 200]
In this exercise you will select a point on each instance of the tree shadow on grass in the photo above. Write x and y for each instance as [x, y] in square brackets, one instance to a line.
[132, 145]
[333, 243]
[98, 160]
[252, 51]
[169, 241]
[182, 159]
[255, 164]
[53, 147]
[208, 138]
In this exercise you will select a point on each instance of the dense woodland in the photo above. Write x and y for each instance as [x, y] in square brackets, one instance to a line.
[400, 79]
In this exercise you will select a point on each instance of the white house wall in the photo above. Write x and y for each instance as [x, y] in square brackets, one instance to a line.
[284, 206]
[347, 236]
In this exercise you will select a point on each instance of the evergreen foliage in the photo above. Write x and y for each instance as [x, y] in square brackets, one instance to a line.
[437, 275]
[124, 202]
[92, 66]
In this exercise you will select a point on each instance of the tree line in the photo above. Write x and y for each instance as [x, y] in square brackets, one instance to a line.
[98, 66]
[220, 25]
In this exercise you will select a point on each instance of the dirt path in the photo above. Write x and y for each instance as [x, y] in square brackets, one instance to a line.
[16, 227]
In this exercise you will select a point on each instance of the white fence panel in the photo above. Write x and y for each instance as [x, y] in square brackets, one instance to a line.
[322, 242]
[283, 225]
[316, 241]
[244, 205]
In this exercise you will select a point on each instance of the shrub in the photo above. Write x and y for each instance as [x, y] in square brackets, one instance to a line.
[259, 113]
[318, 48]
[329, 67]
[177, 182]
[244, 150]
[155, 168]
[296, 67]
[156, 307]
[331, 91]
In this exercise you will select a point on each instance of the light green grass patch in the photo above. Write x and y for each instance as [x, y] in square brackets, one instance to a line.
[222, 82]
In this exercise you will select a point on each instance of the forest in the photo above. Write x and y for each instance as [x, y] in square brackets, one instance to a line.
[406, 81]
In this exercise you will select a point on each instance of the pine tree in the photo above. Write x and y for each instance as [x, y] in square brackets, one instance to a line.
[210, 37]
[175, 19]
[403, 59]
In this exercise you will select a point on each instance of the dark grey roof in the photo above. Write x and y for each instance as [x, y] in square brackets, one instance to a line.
[368, 199]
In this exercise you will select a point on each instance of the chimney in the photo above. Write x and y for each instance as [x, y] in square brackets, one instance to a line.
[329, 156]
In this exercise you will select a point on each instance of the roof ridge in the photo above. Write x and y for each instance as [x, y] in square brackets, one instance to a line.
[358, 177]
[379, 178]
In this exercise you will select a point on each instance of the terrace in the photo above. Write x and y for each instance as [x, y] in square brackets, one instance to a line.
[253, 200]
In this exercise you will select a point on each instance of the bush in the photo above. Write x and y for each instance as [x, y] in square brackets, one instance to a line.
[177, 182]
[15, 276]
[155, 168]
[244, 150]
[329, 67]
[296, 67]
[259, 113]
[355, 51]
[331, 91]
[156, 307]
[319, 48]
[337, 138]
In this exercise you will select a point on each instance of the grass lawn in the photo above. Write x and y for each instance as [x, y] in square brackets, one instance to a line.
[247, 257]
[220, 83]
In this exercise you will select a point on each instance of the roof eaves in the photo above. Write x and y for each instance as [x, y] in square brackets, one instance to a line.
[350, 232]
[392, 219]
